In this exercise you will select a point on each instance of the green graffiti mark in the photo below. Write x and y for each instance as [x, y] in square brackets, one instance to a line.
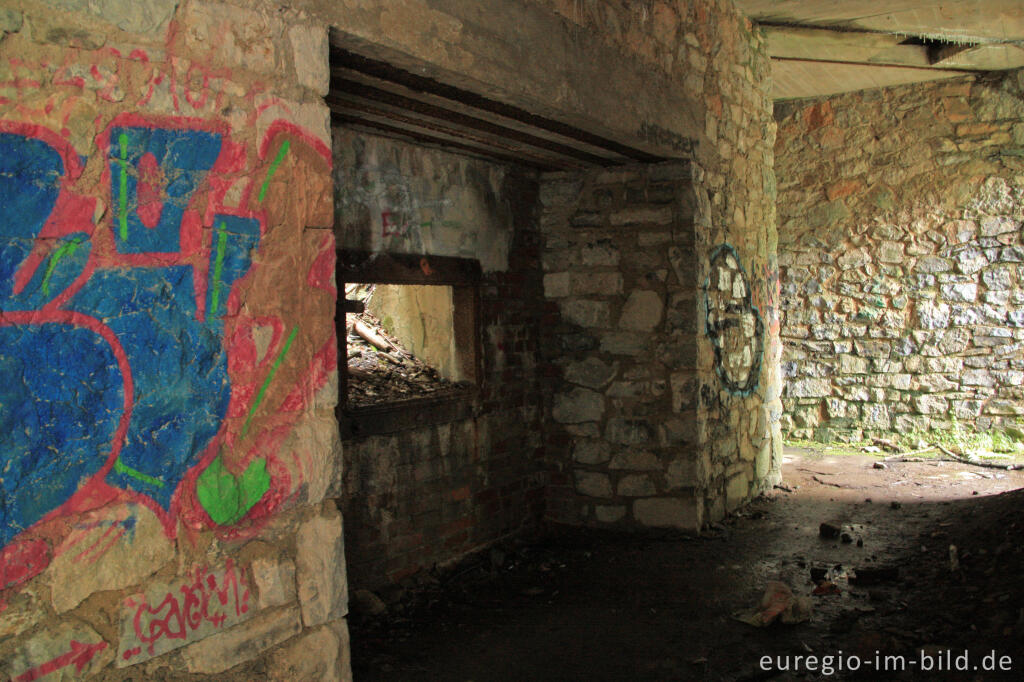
[270, 377]
[122, 197]
[65, 250]
[218, 268]
[273, 167]
[226, 497]
[122, 468]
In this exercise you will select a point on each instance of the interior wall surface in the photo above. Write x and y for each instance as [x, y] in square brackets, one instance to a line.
[665, 407]
[428, 495]
[902, 259]
[167, 262]
[168, 350]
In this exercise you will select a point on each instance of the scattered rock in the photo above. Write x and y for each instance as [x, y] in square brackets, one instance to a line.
[829, 530]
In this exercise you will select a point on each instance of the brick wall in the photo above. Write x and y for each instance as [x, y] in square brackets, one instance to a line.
[427, 496]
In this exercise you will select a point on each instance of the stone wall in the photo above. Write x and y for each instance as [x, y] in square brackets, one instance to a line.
[169, 357]
[674, 439]
[902, 259]
[428, 495]
[166, 259]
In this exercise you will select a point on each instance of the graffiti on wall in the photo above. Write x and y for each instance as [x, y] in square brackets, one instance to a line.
[170, 616]
[733, 322]
[131, 371]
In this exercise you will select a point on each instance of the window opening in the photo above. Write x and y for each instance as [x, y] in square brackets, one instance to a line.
[402, 346]
[408, 340]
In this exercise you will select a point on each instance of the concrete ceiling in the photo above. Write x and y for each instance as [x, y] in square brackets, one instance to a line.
[822, 47]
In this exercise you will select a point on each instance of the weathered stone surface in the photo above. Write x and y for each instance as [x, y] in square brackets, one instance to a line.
[667, 512]
[642, 311]
[159, 620]
[609, 513]
[970, 260]
[591, 372]
[242, 643]
[556, 285]
[591, 451]
[24, 610]
[87, 653]
[628, 431]
[960, 292]
[995, 225]
[636, 485]
[737, 491]
[624, 343]
[595, 314]
[809, 388]
[593, 484]
[932, 315]
[320, 568]
[595, 283]
[10, 20]
[578, 405]
[309, 56]
[929, 404]
[274, 580]
[314, 655]
[654, 215]
[141, 548]
[135, 16]
[635, 460]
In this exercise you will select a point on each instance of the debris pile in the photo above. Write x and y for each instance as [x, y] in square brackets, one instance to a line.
[380, 369]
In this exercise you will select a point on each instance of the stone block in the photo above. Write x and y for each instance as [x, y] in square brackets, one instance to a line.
[978, 377]
[628, 431]
[139, 549]
[656, 215]
[320, 567]
[636, 485]
[82, 647]
[24, 611]
[890, 252]
[609, 513]
[737, 491]
[159, 620]
[933, 265]
[809, 388]
[595, 314]
[932, 315]
[995, 225]
[134, 16]
[242, 643]
[668, 512]
[970, 260]
[931, 404]
[310, 58]
[635, 460]
[624, 343]
[595, 283]
[591, 451]
[274, 580]
[315, 655]
[578, 405]
[10, 21]
[593, 484]
[591, 373]
[642, 311]
[852, 364]
[556, 285]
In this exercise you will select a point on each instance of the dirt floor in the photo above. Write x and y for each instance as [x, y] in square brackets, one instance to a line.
[585, 605]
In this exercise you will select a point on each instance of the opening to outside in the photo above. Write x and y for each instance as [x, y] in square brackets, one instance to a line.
[410, 350]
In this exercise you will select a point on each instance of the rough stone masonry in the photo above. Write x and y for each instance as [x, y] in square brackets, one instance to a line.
[172, 466]
[900, 250]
